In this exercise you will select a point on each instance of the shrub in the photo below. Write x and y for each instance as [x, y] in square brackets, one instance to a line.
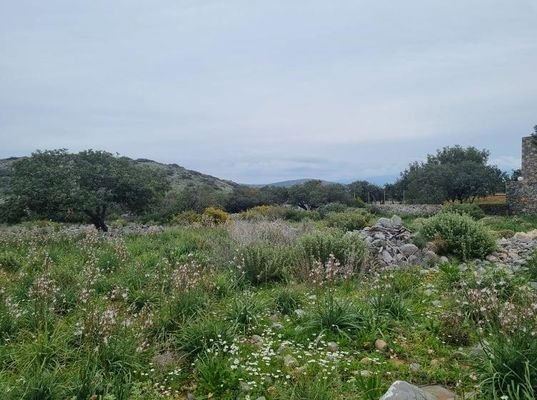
[454, 329]
[186, 218]
[262, 263]
[348, 248]
[214, 216]
[465, 237]
[348, 220]
[331, 208]
[473, 210]
[258, 213]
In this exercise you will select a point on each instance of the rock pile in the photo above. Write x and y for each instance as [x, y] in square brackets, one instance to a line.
[402, 390]
[512, 253]
[392, 244]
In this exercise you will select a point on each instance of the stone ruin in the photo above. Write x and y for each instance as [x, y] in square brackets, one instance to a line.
[522, 195]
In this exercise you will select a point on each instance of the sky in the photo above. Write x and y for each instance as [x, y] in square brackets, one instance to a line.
[259, 91]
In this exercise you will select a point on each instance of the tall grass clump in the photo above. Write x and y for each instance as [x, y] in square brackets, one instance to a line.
[349, 249]
[260, 262]
[463, 236]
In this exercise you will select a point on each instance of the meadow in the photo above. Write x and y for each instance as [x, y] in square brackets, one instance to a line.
[255, 307]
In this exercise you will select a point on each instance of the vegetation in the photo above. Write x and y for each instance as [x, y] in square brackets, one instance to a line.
[463, 236]
[452, 174]
[60, 186]
[207, 309]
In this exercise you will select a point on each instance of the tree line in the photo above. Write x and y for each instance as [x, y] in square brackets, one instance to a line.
[88, 186]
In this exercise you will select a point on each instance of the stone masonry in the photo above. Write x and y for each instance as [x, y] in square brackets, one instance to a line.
[522, 195]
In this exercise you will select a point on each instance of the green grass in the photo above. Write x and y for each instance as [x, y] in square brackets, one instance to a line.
[87, 316]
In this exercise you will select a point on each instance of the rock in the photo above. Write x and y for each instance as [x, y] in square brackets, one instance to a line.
[414, 367]
[435, 363]
[397, 222]
[245, 387]
[289, 361]
[365, 373]
[409, 249]
[277, 325]
[401, 390]
[381, 345]
[257, 340]
[332, 347]
[386, 257]
[366, 361]
[443, 260]
[300, 312]
[385, 223]
[430, 257]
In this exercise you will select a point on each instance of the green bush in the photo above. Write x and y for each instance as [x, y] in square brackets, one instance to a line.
[473, 210]
[331, 208]
[348, 220]
[186, 218]
[347, 248]
[337, 316]
[214, 216]
[531, 266]
[464, 237]
[262, 263]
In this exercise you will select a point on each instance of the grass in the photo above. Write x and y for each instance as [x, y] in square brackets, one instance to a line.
[158, 316]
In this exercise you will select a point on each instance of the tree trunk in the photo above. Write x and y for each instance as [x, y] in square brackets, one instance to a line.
[97, 218]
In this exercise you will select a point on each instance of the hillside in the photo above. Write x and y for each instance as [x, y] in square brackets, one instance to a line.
[180, 177]
[290, 183]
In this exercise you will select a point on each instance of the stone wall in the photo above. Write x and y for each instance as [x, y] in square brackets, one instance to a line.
[522, 195]
[522, 198]
[529, 160]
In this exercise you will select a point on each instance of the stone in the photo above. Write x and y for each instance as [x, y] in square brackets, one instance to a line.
[414, 367]
[332, 347]
[381, 345]
[435, 363]
[430, 257]
[365, 373]
[386, 257]
[409, 249]
[397, 222]
[256, 340]
[402, 390]
[289, 361]
[443, 260]
[366, 361]
[385, 223]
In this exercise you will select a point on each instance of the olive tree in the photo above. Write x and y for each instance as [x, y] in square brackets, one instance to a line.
[55, 184]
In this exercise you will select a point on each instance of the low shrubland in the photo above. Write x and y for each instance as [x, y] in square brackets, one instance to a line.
[256, 307]
[462, 236]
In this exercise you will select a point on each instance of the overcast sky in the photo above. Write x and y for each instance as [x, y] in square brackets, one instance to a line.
[266, 90]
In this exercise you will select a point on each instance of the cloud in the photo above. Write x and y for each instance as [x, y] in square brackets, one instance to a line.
[263, 91]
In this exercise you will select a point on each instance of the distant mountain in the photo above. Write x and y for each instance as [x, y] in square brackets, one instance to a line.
[180, 177]
[294, 182]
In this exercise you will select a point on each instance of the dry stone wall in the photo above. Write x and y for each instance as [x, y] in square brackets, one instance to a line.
[522, 195]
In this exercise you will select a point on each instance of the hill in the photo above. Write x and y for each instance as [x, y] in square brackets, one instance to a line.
[180, 177]
[290, 183]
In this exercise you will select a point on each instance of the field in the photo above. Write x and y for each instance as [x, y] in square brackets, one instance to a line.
[252, 309]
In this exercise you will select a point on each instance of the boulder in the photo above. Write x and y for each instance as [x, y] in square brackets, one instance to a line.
[402, 390]
[409, 249]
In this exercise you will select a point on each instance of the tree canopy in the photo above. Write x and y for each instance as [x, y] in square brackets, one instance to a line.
[453, 174]
[60, 186]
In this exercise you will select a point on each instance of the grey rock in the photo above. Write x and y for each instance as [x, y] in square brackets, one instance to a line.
[401, 390]
[409, 249]
[385, 223]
